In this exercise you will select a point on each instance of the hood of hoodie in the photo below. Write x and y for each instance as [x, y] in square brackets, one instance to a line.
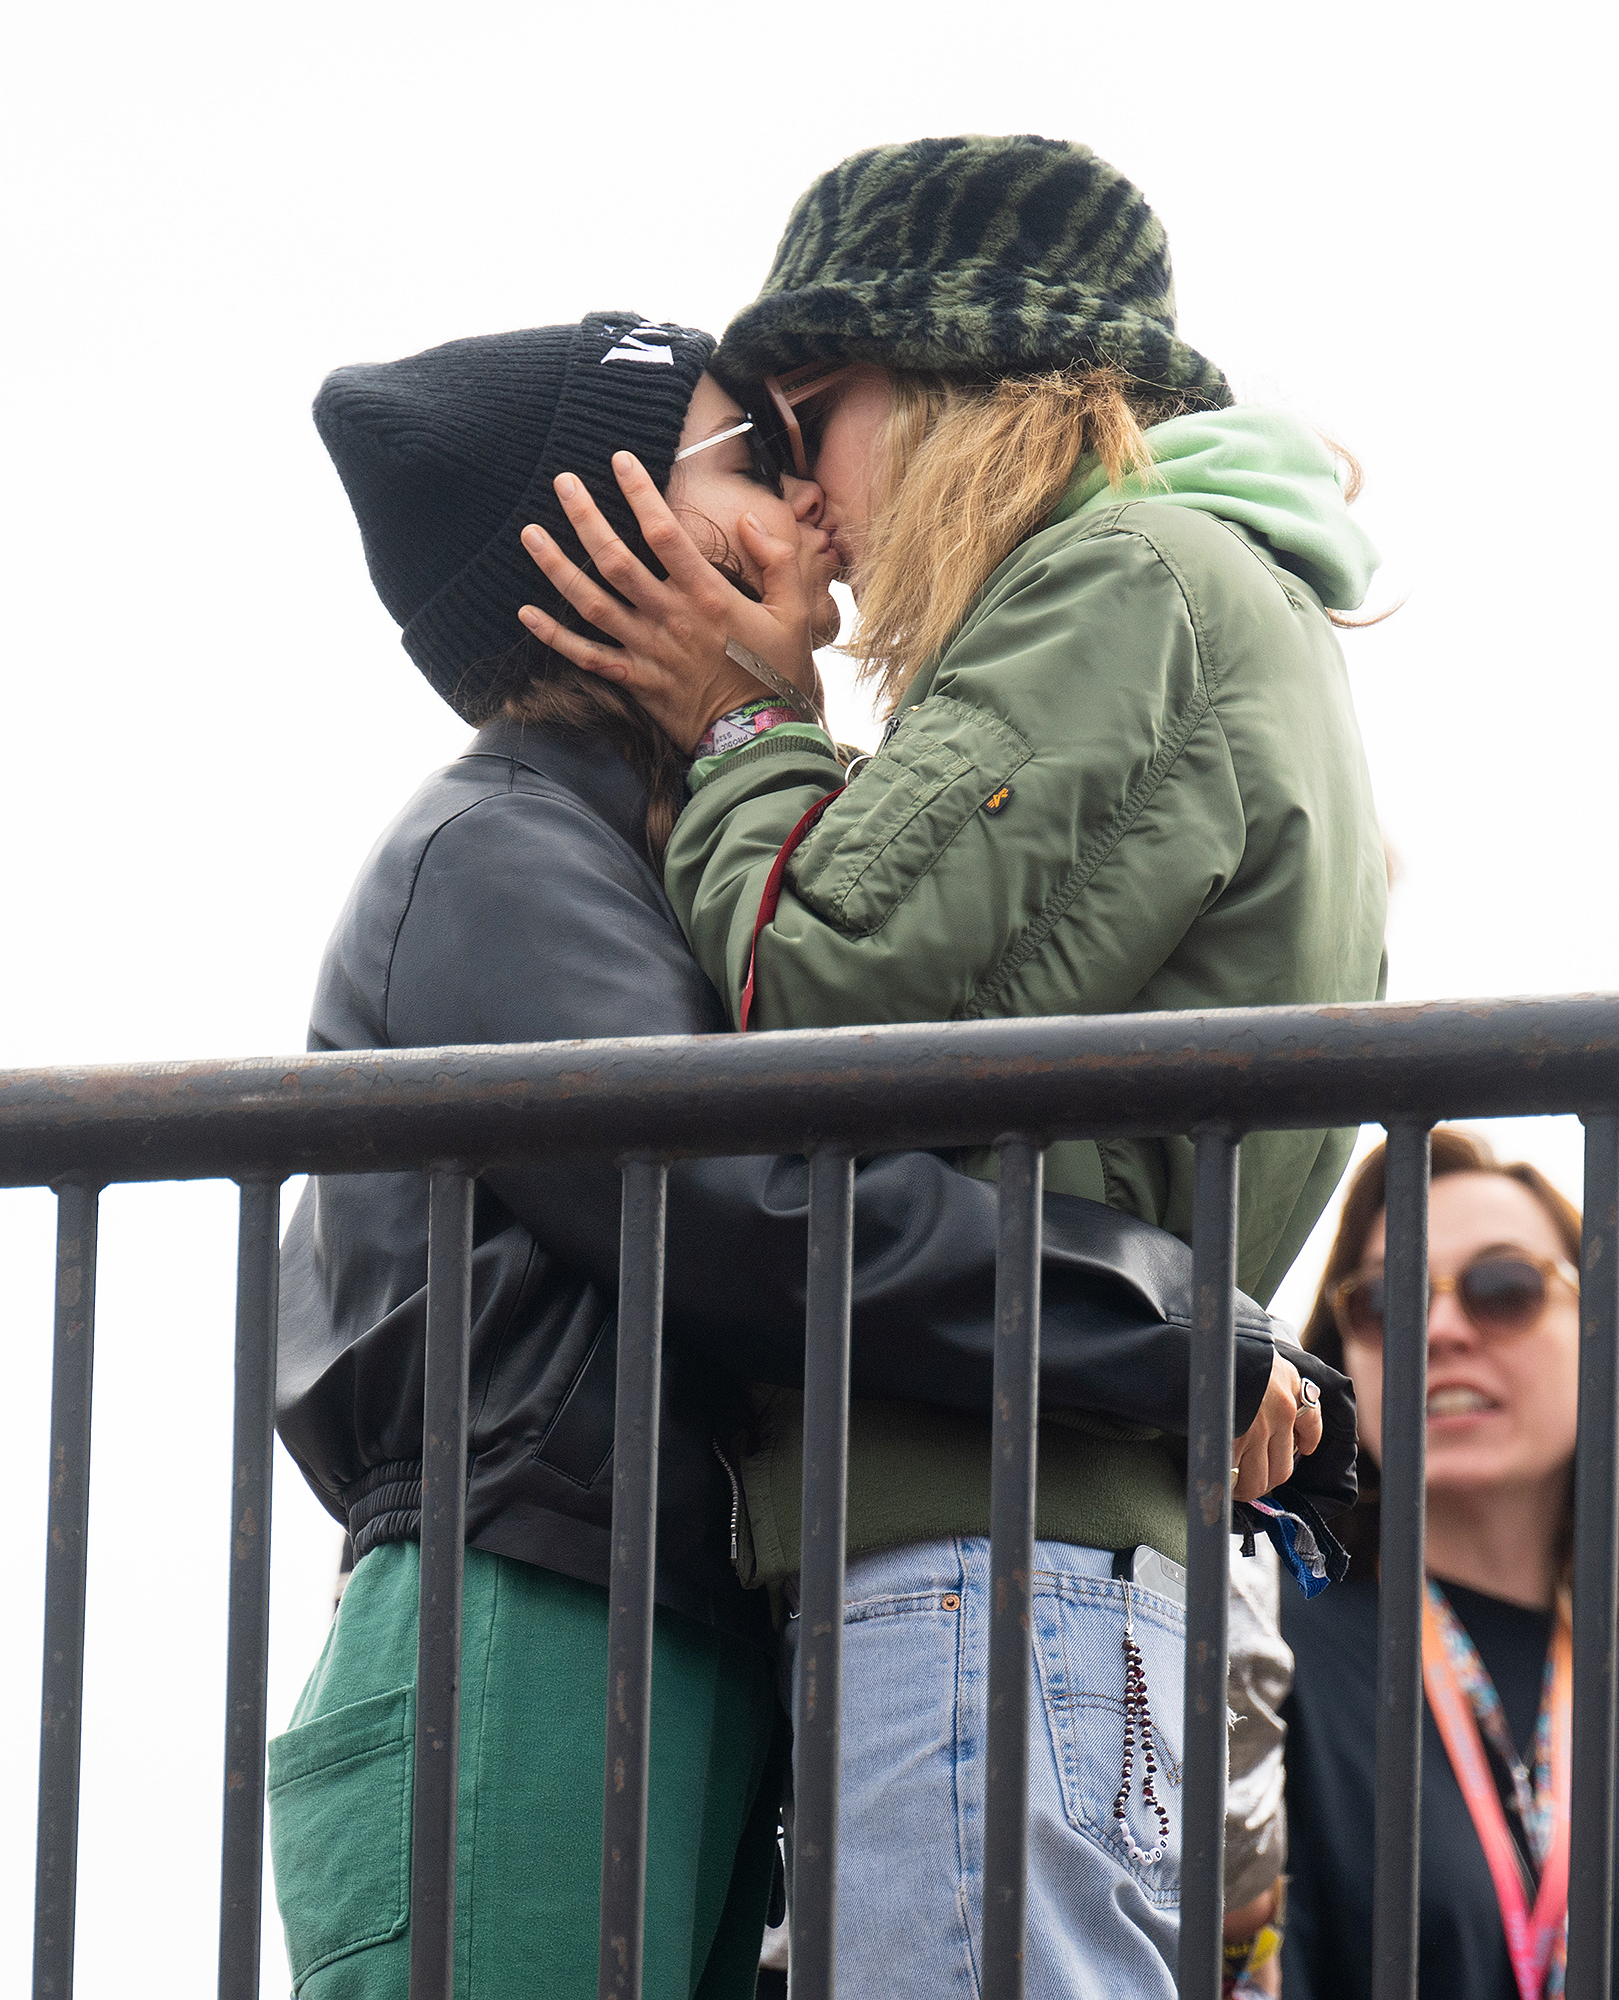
[1262, 468]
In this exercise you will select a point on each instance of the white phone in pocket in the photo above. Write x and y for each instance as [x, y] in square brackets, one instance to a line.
[1152, 1571]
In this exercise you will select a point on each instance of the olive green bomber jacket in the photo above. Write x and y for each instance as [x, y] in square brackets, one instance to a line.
[1133, 781]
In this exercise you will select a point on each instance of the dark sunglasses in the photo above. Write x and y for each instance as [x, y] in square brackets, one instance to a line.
[1502, 1293]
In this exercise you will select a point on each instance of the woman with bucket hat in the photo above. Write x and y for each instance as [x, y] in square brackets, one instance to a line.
[1120, 772]
[516, 898]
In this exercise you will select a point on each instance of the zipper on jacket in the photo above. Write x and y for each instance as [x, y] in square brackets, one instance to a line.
[736, 1495]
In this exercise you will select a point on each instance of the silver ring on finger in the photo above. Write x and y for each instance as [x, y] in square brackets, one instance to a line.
[1310, 1394]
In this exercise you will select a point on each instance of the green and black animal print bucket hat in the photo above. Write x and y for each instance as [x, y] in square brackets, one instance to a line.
[972, 257]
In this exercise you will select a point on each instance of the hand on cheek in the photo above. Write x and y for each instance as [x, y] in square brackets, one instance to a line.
[670, 635]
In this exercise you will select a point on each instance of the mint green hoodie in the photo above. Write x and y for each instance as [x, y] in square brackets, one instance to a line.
[1262, 468]
[1131, 782]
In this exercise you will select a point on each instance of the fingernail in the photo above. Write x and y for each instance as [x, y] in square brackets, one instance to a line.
[528, 614]
[567, 485]
[753, 522]
[533, 533]
[622, 459]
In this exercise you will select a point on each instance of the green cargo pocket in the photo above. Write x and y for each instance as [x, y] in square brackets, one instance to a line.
[875, 841]
[339, 1793]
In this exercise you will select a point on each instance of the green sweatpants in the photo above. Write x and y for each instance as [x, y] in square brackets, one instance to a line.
[533, 1736]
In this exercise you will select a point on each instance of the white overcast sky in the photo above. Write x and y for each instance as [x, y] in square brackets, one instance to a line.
[1395, 219]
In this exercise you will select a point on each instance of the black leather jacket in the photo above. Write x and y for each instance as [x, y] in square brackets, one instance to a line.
[513, 901]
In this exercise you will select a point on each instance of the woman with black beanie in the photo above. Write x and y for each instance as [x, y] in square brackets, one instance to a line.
[517, 898]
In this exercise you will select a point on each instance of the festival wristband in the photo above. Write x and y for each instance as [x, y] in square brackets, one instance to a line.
[1251, 1954]
[741, 725]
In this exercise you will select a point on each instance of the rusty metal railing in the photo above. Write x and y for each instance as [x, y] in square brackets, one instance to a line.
[1016, 1084]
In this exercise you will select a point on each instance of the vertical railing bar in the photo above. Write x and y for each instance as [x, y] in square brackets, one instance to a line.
[1013, 1469]
[631, 1579]
[443, 1556]
[1396, 1883]
[241, 1875]
[66, 1551]
[1210, 1427]
[1596, 1574]
[817, 1701]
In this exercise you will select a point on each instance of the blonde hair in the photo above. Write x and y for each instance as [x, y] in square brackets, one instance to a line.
[965, 472]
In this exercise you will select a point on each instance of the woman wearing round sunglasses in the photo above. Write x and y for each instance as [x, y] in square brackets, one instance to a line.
[1503, 1342]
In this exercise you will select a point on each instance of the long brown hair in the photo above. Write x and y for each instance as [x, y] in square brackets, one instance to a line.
[550, 691]
[967, 471]
[546, 689]
[1454, 1152]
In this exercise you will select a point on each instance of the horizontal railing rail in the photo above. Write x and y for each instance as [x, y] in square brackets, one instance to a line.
[1258, 1069]
[1018, 1085]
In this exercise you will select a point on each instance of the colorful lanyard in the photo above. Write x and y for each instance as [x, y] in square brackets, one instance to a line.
[1462, 1697]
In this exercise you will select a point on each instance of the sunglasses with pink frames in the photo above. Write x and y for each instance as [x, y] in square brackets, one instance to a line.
[775, 435]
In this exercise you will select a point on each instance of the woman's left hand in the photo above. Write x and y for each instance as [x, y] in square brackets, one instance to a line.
[671, 634]
[1288, 1424]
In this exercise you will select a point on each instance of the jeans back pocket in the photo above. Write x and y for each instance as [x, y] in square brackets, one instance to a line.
[339, 1790]
[1079, 1643]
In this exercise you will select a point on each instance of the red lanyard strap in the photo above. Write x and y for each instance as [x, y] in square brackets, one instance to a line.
[771, 898]
[1532, 1937]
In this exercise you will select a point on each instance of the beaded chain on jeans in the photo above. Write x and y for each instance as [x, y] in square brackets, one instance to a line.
[1533, 1799]
[1138, 1715]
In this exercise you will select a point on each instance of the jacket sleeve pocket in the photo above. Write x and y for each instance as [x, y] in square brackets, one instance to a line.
[880, 837]
[339, 1795]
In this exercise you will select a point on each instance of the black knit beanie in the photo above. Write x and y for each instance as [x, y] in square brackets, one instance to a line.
[972, 257]
[448, 455]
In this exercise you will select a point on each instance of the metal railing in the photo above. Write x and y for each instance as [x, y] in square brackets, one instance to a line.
[1016, 1084]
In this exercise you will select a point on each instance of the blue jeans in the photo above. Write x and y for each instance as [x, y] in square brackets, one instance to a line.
[911, 1822]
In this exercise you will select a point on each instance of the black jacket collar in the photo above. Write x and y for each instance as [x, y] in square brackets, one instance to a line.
[593, 770]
